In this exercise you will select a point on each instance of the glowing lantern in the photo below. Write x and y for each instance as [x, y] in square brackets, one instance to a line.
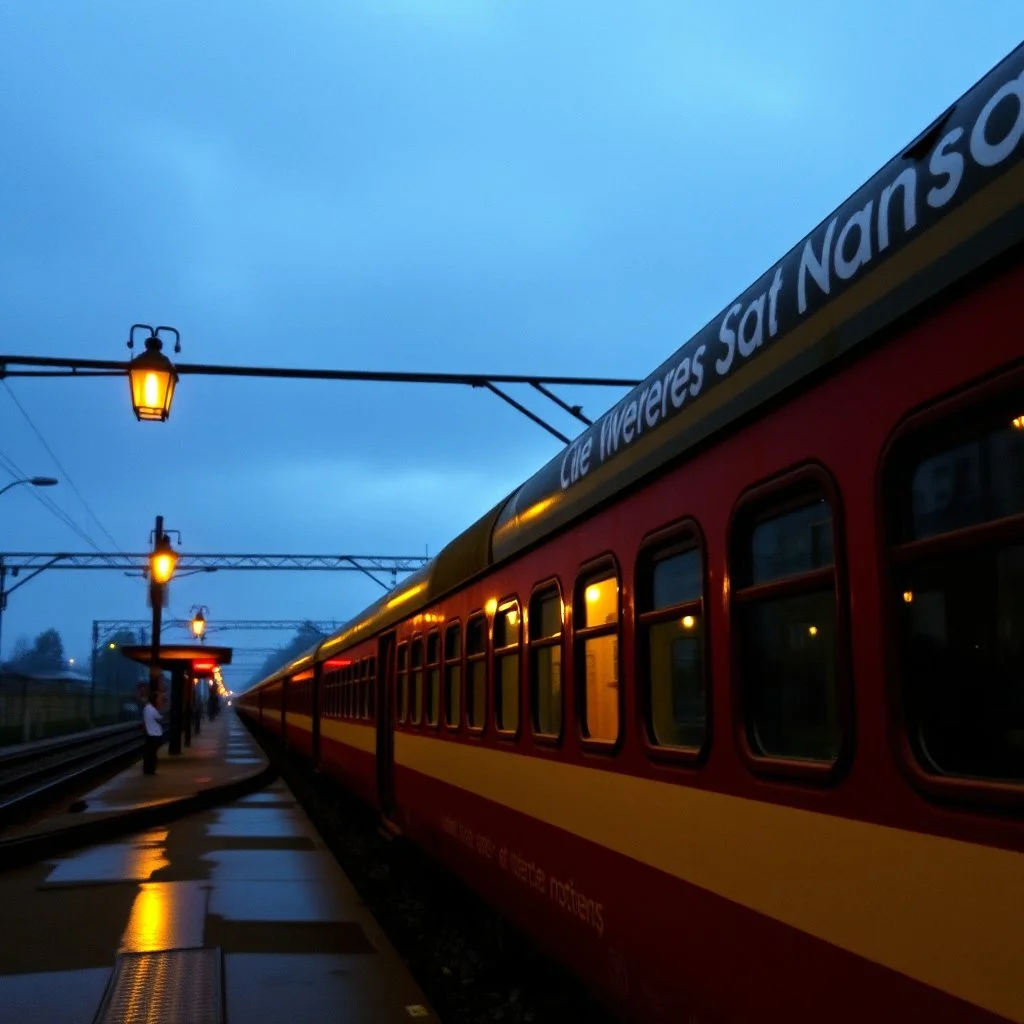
[163, 561]
[152, 378]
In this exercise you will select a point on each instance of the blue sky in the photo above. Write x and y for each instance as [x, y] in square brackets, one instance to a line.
[455, 185]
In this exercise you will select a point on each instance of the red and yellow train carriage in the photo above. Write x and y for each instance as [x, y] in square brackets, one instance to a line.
[725, 706]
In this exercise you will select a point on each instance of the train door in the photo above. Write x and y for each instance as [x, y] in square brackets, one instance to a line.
[284, 711]
[386, 724]
[316, 686]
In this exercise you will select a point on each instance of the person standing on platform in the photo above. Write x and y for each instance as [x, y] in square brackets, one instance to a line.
[154, 732]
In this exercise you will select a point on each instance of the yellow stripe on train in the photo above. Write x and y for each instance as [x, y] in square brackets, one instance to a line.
[945, 912]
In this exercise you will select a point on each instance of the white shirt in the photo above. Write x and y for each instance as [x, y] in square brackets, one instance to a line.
[151, 717]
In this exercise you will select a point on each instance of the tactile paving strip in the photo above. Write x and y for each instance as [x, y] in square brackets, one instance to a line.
[172, 986]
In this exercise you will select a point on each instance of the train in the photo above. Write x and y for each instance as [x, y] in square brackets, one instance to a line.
[724, 706]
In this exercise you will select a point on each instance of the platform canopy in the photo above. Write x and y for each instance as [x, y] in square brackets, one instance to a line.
[172, 656]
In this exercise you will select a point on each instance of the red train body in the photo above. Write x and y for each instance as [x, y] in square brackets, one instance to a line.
[725, 707]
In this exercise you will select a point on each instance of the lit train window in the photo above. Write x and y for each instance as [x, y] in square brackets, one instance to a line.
[546, 662]
[596, 620]
[507, 633]
[416, 689]
[476, 672]
[786, 626]
[670, 641]
[453, 675]
[433, 696]
[402, 682]
[959, 595]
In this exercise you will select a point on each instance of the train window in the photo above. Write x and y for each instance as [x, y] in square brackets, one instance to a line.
[597, 637]
[433, 696]
[786, 624]
[453, 675]
[361, 700]
[670, 642]
[416, 689]
[476, 672]
[507, 633]
[371, 699]
[546, 662]
[959, 588]
[402, 696]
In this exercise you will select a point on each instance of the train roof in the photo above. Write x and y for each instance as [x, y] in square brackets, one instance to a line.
[950, 202]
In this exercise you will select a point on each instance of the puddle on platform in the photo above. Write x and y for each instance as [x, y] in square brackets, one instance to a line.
[133, 861]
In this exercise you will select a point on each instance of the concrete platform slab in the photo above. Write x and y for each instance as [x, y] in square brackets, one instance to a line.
[70, 997]
[252, 879]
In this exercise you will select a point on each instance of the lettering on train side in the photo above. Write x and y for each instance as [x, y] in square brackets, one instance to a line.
[980, 140]
[562, 892]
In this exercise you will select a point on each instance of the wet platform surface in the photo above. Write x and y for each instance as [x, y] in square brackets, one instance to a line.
[252, 878]
[223, 752]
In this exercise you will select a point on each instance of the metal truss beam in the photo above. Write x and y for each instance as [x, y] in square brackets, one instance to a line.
[54, 366]
[22, 561]
[106, 627]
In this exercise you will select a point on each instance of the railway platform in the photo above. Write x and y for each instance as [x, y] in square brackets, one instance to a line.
[231, 911]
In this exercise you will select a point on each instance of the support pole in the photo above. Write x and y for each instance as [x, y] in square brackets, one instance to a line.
[156, 599]
[177, 686]
[92, 679]
[188, 692]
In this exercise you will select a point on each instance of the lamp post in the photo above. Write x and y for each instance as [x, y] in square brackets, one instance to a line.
[198, 623]
[162, 563]
[35, 481]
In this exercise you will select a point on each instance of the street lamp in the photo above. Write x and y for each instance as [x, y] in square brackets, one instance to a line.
[35, 481]
[162, 563]
[198, 624]
[163, 560]
[151, 375]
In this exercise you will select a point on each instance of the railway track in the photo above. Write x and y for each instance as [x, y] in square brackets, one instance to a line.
[32, 775]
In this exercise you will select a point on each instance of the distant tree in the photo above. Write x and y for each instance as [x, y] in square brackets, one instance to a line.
[21, 650]
[45, 655]
[306, 636]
